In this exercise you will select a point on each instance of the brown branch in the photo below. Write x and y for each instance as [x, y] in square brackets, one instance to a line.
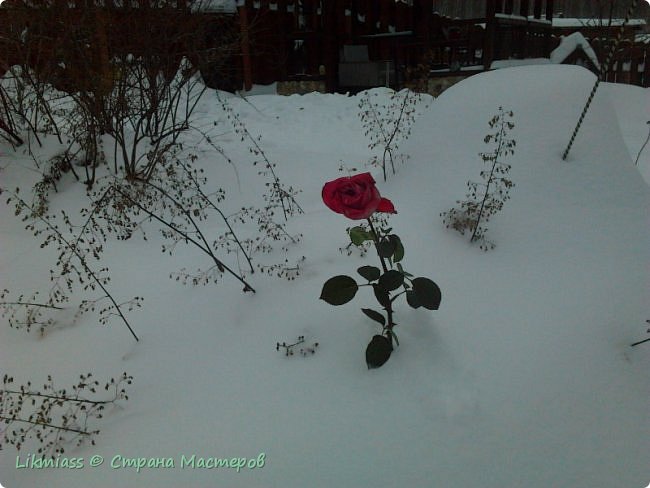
[44, 305]
[54, 397]
[42, 424]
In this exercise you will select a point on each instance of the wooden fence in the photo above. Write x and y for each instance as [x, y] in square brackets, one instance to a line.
[284, 39]
[303, 39]
[631, 62]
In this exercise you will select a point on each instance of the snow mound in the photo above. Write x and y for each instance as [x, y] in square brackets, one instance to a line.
[523, 378]
[570, 43]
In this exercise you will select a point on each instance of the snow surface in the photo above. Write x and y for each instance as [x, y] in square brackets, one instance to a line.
[523, 378]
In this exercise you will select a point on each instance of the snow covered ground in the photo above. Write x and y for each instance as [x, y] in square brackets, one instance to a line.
[523, 378]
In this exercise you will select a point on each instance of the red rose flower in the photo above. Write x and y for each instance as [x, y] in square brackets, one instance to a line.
[356, 197]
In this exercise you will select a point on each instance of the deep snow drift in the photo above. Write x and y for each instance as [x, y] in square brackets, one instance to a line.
[523, 378]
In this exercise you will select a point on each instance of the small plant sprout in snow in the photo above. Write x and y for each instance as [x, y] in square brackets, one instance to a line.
[486, 199]
[357, 198]
[304, 350]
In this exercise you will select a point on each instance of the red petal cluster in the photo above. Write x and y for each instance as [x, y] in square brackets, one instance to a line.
[356, 197]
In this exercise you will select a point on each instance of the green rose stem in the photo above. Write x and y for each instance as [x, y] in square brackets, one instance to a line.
[389, 305]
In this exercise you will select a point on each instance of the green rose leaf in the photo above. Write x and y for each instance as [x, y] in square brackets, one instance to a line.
[427, 293]
[359, 235]
[391, 280]
[398, 254]
[412, 299]
[378, 351]
[370, 273]
[374, 315]
[381, 295]
[339, 290]
[386, 248]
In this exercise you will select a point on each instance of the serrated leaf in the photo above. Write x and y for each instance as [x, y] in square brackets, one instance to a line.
[391, 280]
[427, 292]
[339, 290]
[374, 315]
[371, 273]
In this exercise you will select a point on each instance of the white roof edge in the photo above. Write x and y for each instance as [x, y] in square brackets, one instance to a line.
[220, 6]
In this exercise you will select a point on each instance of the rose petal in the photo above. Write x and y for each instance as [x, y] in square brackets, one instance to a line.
[385, 205]
[329, 195]
[356, 196]
[360, 214]
[364, 178]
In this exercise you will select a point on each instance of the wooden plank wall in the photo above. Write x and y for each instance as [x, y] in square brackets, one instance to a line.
[292, 39]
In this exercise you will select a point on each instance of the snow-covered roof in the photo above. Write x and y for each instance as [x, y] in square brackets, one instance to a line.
[642, 38]
[509, 16]
[511, 63]
[570, 43]
[592, 22]
[223, 6]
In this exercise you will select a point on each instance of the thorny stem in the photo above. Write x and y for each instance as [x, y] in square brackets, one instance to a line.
[375, 238]
[389, 305]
